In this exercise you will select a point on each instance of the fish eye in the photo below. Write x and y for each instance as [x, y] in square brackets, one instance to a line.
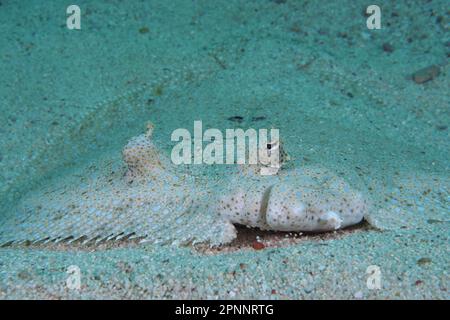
[269, 146]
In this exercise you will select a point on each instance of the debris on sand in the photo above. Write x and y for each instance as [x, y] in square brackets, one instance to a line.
[426, 74]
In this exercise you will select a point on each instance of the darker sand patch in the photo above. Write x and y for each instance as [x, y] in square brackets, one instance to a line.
[256, 239]
[247, 239]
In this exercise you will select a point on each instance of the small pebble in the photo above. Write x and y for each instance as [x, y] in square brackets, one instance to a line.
[358, 295]
[423, 261]
[426, 74]
[258, 245]
[144, 30]
[24, 275]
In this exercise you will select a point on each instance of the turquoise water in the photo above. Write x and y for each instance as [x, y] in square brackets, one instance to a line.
[343, 97]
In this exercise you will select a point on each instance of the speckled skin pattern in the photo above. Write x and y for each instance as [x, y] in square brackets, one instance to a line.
[306, 199]
[149, 198]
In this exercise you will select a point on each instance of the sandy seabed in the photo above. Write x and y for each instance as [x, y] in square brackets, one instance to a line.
[344, 97]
